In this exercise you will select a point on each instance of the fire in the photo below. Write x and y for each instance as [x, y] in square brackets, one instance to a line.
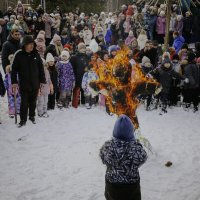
[122, 84]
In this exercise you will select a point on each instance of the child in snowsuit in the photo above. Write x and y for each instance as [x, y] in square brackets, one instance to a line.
[10, 92]
[123, 155]
[65, 79]
[54, 79]
[90, 98]
[147, 67]
[44, 92]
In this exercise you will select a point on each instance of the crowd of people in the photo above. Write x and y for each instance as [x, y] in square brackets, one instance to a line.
[63, 46]
[47, 60]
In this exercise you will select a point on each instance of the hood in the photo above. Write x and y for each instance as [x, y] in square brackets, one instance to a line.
[180, 38]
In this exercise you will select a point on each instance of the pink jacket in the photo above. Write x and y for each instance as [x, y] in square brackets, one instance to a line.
[160, 25]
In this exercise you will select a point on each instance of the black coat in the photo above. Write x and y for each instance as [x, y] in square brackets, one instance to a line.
[192, 72]
[54, 77]
[79, 63]
[9, 47]
[2, 87]
[165, 77]
[29, 68]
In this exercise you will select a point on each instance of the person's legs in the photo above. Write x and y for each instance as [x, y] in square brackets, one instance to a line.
[40, 104]
[32, 99]
[24, 106]
[45, 103]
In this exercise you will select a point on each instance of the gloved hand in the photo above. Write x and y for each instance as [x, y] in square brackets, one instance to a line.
[186, 80]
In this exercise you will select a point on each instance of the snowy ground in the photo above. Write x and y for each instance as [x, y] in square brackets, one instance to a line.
[58, 157]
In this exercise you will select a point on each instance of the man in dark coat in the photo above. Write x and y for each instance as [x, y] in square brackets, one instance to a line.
[28, 67]
[10, 47]
[79, 63]
[123, 155]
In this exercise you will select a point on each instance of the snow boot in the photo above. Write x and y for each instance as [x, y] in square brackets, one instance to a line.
[21, 123]
[32, 119]
[76, 97]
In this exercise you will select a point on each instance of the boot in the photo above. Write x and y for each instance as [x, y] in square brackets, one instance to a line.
[32, 119]
[21, 123]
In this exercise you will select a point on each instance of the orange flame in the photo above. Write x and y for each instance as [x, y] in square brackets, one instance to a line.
[133, 82]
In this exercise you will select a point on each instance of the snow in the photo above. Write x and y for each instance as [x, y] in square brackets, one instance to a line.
[58, 157]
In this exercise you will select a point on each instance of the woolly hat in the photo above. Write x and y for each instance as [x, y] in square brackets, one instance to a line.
[65, 53]
[113, 48]
[81, 46]
[56, 37]
[166, 60]
[27, 40]
[67, 47]
[191, 57]
[124, 129]
[41, 36]
[50, 58]
[145, 60]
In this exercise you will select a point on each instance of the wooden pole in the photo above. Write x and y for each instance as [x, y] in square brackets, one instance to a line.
[168, 17]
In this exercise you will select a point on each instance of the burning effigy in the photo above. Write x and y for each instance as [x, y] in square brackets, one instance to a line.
[122, 83]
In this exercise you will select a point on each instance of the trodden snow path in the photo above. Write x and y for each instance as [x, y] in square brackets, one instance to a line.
[57, 159]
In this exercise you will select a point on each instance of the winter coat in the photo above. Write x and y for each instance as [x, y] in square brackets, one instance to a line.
[87, 78]
[10, 95]
[9, 47]
[179, 26]
[45, 90]
[87, 37]
[142, 39]
[129, 39]
[147, 70]
[187, 24]
[160, 25]
[2, 87]
[178, 43]
[122, 159]
[54, 77]
[79, 62]
[172, 26]
[192, 72]
[65, 76]
[48, 25]
[30, 70]
[165, 77]
[41, 47]
[108, 36]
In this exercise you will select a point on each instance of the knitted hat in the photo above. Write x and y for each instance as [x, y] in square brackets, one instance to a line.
[113, 48]
[166, 60]
[41, 36]
[67, 47]
[27, 40]
[50, 58]
[56, 37]
[65, 53]
[145, 60]
[124, 129]
[81, 46]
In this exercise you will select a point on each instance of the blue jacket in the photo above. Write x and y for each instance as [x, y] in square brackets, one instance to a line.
[178, 43]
